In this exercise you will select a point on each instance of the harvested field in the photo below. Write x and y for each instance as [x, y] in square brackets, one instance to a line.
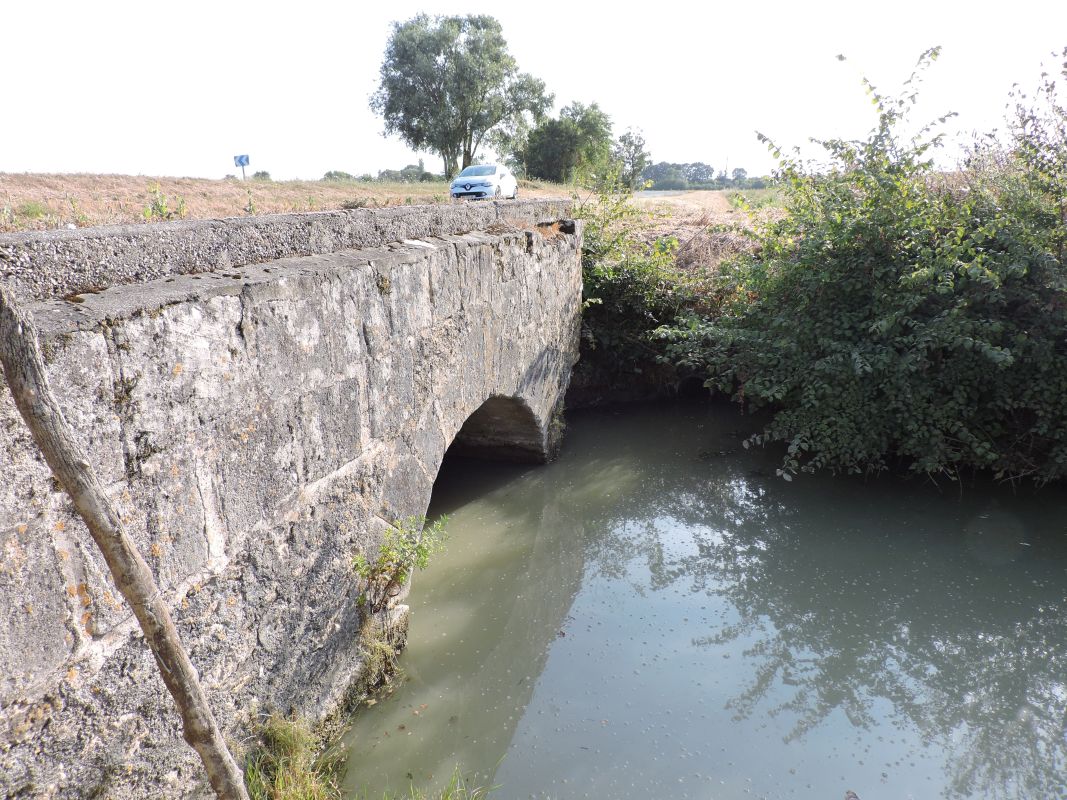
[689, 202]
[41, 202]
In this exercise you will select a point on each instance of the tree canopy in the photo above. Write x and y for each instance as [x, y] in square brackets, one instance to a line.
[577, 144]
[632, 157]
[448, 82]
[551, 150]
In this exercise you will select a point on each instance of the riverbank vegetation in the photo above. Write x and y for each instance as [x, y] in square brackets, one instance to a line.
[646, 263]
[899, 316]
[290, 764]
[631, 286]
[293, 763]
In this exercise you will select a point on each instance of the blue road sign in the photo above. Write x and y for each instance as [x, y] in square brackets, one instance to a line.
[240, 161]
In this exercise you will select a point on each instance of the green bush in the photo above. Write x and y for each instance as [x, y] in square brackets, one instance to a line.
[630, 287]
[897, 314]
[406, 546]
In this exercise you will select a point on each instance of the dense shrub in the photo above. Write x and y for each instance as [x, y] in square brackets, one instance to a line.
[631, 287]
[899, 314]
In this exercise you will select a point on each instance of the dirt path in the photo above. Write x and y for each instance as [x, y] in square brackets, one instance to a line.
[695, 202]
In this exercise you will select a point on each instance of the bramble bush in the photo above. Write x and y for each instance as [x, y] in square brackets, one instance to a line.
[899, 316]
[630, 286]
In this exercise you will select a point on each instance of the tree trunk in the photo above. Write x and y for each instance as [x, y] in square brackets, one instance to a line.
[21, 358]
[450, 165]
[468, 151]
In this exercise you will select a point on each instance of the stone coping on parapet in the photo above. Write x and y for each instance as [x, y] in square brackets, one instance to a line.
[40, 265]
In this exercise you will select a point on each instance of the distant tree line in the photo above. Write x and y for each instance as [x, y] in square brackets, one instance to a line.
[698, 175]
[412, 173]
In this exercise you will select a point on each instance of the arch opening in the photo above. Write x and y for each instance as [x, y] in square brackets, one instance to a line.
[502, 429]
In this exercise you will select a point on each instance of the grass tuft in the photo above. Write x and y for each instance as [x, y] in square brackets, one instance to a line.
[291, 765]
[458, 788]
[31, 209]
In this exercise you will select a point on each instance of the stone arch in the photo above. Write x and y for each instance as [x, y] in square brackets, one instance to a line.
[503, 429]
[347, 374]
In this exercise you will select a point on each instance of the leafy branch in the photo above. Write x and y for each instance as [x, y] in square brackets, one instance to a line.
[406, 546]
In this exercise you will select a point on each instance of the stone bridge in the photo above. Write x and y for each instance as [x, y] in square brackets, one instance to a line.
[262, 397]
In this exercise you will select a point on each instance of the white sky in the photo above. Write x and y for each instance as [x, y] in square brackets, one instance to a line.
[179, 88]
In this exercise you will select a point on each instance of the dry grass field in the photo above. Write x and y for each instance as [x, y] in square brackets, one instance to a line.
[40, 202]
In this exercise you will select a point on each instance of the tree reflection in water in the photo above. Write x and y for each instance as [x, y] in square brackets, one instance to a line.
[951, 609]
[921, 629]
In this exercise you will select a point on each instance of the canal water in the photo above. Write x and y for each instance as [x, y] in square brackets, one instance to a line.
[657, 615]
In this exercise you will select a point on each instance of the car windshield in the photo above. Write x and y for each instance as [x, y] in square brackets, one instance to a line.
[478, 171]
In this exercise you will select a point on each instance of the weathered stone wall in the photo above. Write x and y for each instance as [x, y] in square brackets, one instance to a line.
[256, 427]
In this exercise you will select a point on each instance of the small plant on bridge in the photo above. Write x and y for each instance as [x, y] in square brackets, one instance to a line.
[406, 547]
[159, 210]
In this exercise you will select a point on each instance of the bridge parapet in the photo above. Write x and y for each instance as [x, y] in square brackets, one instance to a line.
[43, 264]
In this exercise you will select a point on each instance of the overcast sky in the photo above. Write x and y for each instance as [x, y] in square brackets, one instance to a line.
[180, 88]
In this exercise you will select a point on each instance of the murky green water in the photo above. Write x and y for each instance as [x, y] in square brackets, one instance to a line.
[657, 616]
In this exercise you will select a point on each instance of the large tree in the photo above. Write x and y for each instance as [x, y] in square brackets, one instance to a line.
[447, 82]
[552, 150]
[577, 146]
[594, 136]
[698, 172]
[632, 157]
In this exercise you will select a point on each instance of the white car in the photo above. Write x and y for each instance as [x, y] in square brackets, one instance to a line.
[480, 181]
